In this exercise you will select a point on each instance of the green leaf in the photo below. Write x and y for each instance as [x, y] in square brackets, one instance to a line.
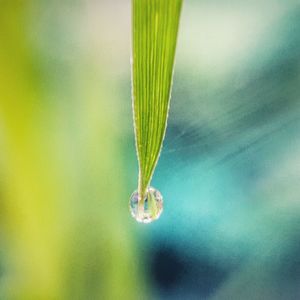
[155, 28]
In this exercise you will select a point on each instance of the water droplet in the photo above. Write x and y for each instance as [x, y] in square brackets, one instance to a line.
[147, 209]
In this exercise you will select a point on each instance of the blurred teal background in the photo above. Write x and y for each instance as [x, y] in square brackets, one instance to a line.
[229, 170]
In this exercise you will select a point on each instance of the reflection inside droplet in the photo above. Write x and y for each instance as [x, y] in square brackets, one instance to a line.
[148, 208]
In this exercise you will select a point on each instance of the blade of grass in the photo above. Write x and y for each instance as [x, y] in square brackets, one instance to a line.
[155, 29]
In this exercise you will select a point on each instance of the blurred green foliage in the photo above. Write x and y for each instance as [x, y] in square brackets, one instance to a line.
[63, 233]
